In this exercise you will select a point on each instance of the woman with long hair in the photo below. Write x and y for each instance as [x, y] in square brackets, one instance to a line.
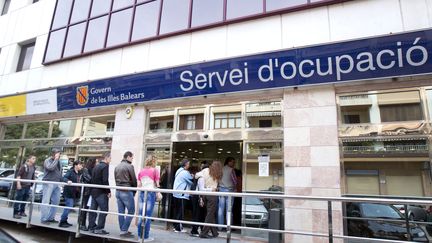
[212, 176]
[148, 178]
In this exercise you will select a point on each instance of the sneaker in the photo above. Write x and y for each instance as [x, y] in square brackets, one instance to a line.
[52, 221]
[176, 231]
[205, 236]
[16, 216]
[195, 234]
[148, 239]
[45, 222]
[183, 231]
[83, 228]
[22, 214]
[67, 223]
[101, 232]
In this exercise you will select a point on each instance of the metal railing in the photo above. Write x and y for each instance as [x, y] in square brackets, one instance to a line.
[330, 234]
[386, 149]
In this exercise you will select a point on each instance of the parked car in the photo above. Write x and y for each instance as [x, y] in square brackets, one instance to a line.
[5, 186]
[254, 212]
[7, 238]
[394, 230]
[415, 212]
[6, 172]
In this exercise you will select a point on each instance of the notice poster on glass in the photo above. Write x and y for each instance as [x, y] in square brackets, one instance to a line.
[263, 165]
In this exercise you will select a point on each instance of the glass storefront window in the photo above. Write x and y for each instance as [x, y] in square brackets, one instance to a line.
[381, 107]
[64, 128]
[8, 157]
[98, 126]
[161, 121]
[13, 131]
[37, 130]
[266, 114]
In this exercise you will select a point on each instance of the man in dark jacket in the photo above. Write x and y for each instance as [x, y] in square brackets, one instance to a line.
[51, 192]
[71, 193]
[26, 172]
[100, 196]
[124, 174]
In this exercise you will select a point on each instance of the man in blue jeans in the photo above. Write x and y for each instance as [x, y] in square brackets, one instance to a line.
[26, 172]
[51, 192]
[227, 184]
[71, 193]
[124, 175]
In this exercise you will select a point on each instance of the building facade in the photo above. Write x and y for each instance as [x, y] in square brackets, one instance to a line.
[315, 98]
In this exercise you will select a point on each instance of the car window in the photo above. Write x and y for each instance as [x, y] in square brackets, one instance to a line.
[253, 201]
[379, 211]
[6, 173]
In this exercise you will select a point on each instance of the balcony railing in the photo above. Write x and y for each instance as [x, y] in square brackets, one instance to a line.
[385, 149]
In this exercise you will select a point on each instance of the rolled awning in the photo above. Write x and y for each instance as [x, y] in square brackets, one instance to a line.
[263, 113]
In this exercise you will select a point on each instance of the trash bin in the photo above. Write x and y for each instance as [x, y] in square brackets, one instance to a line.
[275, 222]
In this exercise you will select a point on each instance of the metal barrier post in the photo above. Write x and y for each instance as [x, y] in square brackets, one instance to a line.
[407, 223]
[228, 216]
[330, 221]
[143, 219]
[79, 220]
[31, 205]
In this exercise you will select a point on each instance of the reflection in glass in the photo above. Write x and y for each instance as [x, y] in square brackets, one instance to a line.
[146, 20]
[62, 13]
[41, 155]
[80, 10]
[382, 107]
[241, 8]
[175, 16]
[25, 57]
[96, 34]
[8, 157]
[100, 7]
[119, 27]
[97, 126]
[37, 130]
[55, 45]
[266, 114]
[64, 128]
[13, 131]
[118, 4]
[74, 40]
[280, 4]
[207, 12]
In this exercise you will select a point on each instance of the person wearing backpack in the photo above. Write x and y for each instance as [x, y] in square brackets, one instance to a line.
[27, 172]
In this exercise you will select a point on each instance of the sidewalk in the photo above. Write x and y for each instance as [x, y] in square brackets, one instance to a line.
[159, 234]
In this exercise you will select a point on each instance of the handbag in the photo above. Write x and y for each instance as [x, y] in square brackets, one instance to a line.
[159, 195]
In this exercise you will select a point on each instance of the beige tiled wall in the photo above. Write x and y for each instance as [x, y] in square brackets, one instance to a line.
[311, 156]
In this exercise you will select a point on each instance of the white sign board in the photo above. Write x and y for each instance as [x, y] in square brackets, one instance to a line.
[263, 169]
[42, 102]
[264, 159]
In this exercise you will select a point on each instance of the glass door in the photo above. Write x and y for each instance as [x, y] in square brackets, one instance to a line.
[263, 173]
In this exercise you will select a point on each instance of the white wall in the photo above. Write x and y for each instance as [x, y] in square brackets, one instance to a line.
[353, 19]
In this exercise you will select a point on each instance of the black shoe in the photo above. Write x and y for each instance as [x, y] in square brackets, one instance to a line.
[64, 225]
[68, 223]
[16, 216]
[83, 228]
[22, 214]
[52, 221]
[204, 236]
[101, 232]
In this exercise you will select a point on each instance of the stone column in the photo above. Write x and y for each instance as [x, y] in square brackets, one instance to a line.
[312, 163]
[128, 136]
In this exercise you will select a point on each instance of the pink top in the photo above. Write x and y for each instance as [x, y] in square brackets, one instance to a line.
[152, 173]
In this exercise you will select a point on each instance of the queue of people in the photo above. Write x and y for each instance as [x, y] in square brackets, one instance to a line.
[207, 178]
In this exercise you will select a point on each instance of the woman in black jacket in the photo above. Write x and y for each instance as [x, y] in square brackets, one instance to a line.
[86, 178]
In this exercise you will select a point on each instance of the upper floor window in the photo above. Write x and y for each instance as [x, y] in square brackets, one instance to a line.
[191, 119]
[227, 120]
[5, 7]
[25, 56]
[102, 24]
[381, 107]
[161, 121]
[266, 114]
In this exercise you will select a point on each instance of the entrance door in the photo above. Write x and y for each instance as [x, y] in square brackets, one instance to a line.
[196, 152]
